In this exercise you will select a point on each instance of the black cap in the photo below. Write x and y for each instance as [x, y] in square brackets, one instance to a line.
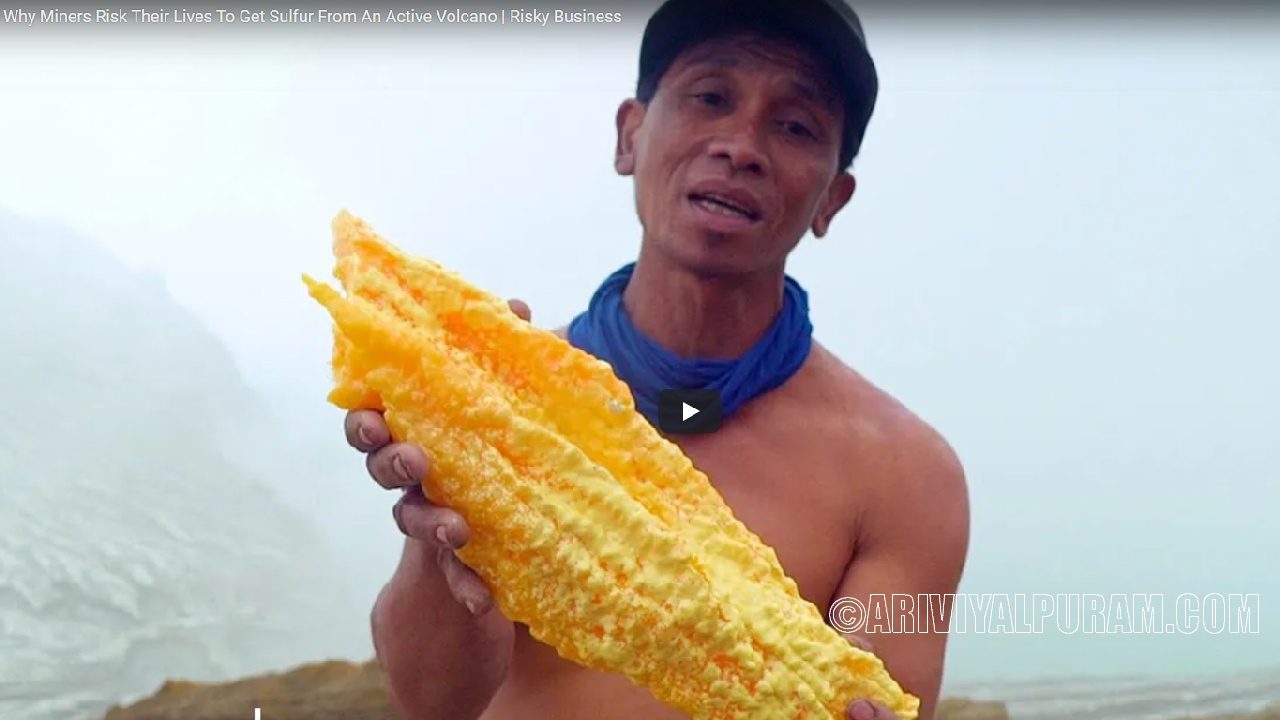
[829, 28]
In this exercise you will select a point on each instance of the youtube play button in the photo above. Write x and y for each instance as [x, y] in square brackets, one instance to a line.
[688, 412]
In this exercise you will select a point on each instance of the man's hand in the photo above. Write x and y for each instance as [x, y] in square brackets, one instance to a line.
[866, 709]
[444, 646]
[404, 466]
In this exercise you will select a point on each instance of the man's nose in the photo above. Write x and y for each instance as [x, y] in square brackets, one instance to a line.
[740, 143]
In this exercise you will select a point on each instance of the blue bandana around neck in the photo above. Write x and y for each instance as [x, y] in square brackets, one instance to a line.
[605, 330]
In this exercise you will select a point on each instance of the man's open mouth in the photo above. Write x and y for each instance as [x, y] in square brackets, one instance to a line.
[721, 205]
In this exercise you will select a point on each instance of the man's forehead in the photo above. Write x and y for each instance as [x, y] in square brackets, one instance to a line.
[809, 78]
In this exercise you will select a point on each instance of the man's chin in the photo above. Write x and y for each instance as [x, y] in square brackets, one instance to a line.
[709, 258]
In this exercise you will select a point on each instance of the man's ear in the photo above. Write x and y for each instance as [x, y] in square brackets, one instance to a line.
[838, 194]
[630, 115]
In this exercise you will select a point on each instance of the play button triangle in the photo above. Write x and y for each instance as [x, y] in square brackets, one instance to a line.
[687, 411]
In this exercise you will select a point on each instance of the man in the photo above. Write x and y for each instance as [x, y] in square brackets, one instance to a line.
[739, 142]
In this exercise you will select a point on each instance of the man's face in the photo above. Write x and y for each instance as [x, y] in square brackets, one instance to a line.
[736, 155]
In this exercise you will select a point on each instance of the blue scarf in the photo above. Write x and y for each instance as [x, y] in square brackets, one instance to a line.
[605, 330]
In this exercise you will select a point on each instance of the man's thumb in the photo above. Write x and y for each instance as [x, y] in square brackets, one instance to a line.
[521, 309]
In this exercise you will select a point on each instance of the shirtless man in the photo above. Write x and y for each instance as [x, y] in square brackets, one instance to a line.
[857, 495]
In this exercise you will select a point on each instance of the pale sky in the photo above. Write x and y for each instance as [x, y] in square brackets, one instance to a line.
[1062, 253]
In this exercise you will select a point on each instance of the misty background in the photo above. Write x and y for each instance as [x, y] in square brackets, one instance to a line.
[1062, 254]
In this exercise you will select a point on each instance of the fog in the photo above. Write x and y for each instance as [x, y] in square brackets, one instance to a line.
[141, 538]
[1062, 254]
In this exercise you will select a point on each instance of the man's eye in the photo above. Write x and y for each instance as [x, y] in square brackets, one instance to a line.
[711, 98]
[798, 129]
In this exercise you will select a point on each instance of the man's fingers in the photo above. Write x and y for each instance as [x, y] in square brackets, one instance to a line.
[398, 465]
[366, 430]
[444, 531]
[434, 525]
[521, 309]
[403, 465]
[466, 586]
[859, 642]
[867, 710]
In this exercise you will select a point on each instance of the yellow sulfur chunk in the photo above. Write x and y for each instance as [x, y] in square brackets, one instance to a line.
[590, 527]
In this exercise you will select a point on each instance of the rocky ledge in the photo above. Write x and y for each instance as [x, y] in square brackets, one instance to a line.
[338, 690]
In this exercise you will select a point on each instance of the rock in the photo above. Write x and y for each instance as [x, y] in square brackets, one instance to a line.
[331, 690]
[337, 690]
[962, 709]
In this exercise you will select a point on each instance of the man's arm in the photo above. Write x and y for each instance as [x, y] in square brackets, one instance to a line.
[912, 541]
[439, 660]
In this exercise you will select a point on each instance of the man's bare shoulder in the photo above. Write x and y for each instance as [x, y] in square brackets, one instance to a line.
[861, 407]
[911, 456]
